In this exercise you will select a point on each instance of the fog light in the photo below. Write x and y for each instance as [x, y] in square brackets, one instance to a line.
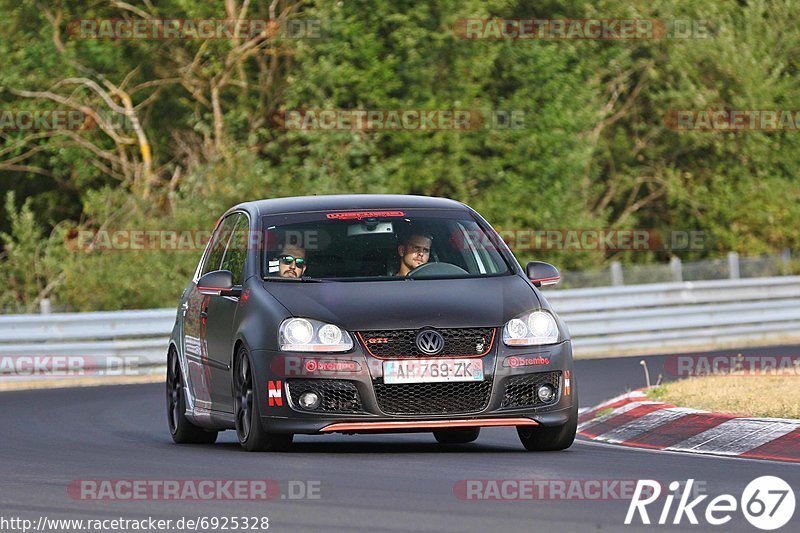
[310, 400]
[545, 393]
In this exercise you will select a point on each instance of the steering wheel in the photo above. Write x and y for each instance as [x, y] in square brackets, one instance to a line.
[436, 269]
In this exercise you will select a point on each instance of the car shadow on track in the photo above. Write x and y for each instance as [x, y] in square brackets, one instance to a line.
[324, 446]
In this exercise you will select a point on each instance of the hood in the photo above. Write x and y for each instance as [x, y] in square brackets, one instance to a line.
[409, 304]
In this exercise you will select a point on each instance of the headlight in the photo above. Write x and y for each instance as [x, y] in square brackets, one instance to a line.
[297, 331]
[531, 329]
[306, 335]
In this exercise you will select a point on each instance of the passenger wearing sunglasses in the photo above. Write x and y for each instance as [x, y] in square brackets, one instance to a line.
[291, 261]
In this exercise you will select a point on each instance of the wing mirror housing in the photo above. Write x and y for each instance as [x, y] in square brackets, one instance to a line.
[542, 274]
[218, 283]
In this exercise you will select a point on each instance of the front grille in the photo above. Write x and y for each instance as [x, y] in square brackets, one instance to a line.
[520, 391]
[401, 343]
[338, 396]
[433, 398]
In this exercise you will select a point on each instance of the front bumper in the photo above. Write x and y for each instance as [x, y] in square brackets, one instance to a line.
[360, 373]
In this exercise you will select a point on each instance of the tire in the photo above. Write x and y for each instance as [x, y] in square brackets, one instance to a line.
[182, 431]
[457, 436]
[247, 413]
[547, 439]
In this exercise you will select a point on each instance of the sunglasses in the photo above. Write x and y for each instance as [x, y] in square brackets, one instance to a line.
[289, 259]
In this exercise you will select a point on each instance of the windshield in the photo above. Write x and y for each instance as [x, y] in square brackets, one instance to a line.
[379, 245]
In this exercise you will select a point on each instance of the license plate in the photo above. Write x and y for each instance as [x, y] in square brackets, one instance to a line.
[432, 370]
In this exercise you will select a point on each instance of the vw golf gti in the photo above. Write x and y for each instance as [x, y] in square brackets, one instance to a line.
[366, 314]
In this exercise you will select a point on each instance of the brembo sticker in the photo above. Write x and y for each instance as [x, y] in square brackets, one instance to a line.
[526, 360]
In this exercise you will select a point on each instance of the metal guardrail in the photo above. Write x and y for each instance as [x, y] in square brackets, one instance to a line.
[680, 317]
[138, 335]
[732, 267]
[656, 318]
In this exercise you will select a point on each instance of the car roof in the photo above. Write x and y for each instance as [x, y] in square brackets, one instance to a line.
[337, 202]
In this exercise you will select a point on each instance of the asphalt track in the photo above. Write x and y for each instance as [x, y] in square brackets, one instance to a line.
[366, 483]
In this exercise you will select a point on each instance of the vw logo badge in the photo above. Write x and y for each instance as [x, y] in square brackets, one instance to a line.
[430, 342]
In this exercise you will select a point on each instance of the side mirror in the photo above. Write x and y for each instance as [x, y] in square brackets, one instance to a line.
[217, 283]
[542, 274]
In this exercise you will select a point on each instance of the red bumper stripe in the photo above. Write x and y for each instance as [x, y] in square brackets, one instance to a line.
[425, 424]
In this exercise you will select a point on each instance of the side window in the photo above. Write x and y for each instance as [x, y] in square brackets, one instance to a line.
[236, 253]
[220, 241]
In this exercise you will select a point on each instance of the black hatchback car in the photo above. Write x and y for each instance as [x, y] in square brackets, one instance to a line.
[365, 314]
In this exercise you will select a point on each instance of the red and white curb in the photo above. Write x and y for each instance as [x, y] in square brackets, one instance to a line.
[633, 420]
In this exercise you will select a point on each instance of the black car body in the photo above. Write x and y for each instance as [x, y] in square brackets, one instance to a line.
[445, 349]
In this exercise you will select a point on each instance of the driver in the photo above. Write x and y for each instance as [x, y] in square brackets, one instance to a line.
[414, 251]
[291, 261]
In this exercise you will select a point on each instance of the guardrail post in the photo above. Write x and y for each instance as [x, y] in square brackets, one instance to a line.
[676, 267]
[44, 306]
[616, 274]
[733, 264]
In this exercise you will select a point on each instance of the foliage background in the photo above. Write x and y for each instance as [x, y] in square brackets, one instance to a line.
[199, 136]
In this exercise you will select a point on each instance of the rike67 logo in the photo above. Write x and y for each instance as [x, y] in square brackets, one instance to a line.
[767, 502]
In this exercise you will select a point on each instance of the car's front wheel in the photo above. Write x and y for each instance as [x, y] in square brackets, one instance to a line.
[456, 436]
[183, 431]
[545, 439]
[251, 433]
